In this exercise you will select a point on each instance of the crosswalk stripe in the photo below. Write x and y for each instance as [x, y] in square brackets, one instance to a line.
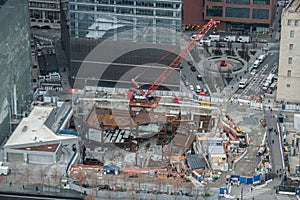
[52, 88]
[283, 197]
[256, 192]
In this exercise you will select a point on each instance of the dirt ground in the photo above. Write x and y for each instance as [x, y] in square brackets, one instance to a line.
[249, 121]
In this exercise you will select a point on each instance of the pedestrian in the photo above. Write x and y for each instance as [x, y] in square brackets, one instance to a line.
[277, 171]
[23, 187]
[272, 141]
[10, 184]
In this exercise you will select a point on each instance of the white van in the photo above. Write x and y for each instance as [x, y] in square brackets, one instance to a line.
[261, 58]
[266, 85]
[256, 64]
[198, 88]
[214, 38]
[204, 43]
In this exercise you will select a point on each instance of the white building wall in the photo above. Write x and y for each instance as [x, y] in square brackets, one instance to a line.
[297, 122]
[288, 88]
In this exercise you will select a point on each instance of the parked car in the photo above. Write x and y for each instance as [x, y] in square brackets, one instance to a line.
[199, 77]
[191, 87]
[198, 88]
[253, 71]
[193, 68]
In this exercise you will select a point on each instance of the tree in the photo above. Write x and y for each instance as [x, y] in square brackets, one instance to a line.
[81, 177]
[42, 173]
[55, 175]
[90, 197]
[15, 170]
[27, 173]
[93, 179]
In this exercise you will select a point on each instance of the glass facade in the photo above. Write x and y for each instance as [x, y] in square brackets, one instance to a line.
[44, 11]
[15, 62]
[232, 12]
[243, 2]
[93, 18]
[215, 11]
[260, 13]
[87, 23]
[261, 2]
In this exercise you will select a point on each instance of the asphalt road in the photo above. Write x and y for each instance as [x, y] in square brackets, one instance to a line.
[273, 140]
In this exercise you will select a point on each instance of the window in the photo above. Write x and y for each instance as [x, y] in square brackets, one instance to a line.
[289, 22]
[288, 85]
[296, 22]
[289, 73]
[292, 33]
[237, 12]
[261, 2]
[291, 46]
[260, 13]
[245, 2]
[290, 60]
[215, 11]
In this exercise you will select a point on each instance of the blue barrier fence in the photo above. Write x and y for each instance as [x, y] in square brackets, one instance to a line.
[247, 180]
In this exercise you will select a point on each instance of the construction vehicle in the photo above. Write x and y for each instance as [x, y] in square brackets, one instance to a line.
[262, 150]
[140, 98]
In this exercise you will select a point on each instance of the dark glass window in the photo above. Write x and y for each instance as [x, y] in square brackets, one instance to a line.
[215, 11]
[163, 13]
[144, 3]
[144, 12]
[261, 2]
[260, 13]
[237, 12]
[245, 2]
[215, 0]
[124, 2]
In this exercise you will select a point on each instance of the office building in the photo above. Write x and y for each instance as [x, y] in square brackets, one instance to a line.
[289, 58]
[237, 16]
[127, 24]
[45, 13]
[15, 63]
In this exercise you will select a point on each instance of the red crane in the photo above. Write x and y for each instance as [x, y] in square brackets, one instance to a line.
[191, 45]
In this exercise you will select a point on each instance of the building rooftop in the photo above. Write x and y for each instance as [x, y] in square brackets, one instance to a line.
[44, 147]
[33, 130]
[196, 161]
[214, 149]
[294, 6]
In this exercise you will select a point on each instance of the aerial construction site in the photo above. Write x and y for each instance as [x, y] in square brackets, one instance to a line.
[157, 134]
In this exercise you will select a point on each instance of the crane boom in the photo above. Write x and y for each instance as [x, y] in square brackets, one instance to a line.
[177, 60]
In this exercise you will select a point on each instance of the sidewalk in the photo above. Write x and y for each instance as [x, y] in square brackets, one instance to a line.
[37, 189]
[62, 64]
